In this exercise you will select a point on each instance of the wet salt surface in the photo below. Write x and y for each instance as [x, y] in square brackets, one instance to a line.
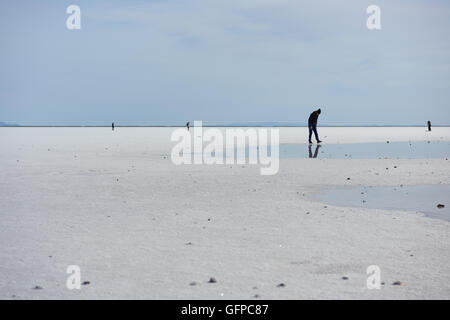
[371, 150]
[422, 198]
[375, 150]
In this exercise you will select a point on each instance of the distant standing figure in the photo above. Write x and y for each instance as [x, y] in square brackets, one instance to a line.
[429, 125]
[312, 125]
[112, 126]
[187, 125]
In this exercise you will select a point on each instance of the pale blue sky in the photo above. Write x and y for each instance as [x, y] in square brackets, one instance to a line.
[224, 61]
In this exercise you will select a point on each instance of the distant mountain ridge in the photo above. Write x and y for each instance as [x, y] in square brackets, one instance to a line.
[4, 124]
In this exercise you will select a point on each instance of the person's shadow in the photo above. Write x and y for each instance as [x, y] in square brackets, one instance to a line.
[316, 152]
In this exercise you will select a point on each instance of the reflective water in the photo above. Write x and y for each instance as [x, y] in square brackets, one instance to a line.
[422, 198]
[373, 150]
[403, 150]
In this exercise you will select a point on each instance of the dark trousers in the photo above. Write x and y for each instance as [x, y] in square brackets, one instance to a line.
[313, 128]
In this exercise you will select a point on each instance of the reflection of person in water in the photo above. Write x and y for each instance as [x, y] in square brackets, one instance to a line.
[315, 152]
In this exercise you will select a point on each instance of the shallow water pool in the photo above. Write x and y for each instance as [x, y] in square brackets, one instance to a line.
[371, 150]
[422, 198]
[376, 150]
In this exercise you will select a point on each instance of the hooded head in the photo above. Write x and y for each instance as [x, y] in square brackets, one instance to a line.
[319, 111]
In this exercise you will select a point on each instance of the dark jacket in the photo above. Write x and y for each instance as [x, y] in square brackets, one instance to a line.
[312, 121]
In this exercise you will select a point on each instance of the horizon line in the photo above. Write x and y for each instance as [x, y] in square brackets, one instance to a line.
[213, 125]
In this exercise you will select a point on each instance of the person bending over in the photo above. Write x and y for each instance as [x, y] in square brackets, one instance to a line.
[312, 125]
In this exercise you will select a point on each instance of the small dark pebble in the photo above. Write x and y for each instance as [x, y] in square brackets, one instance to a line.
[37, 288]
[212, 280]
[281, 285]
[348, 178]
[85, 283]
[344, 278]
[256, 296]
[397, 283]
[193, 283]
[440, 206]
